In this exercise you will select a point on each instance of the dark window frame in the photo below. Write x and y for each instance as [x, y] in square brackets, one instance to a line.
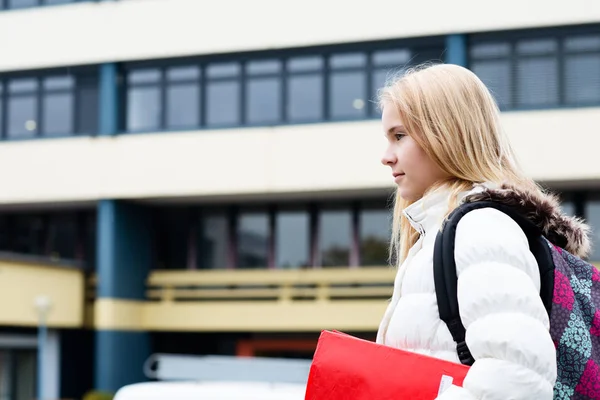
[314, 210]
[511, 38]
[89, 75]
[39, 3]
[84, 220]
[417, 47]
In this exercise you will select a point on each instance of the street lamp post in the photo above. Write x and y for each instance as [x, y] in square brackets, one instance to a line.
[42, 305]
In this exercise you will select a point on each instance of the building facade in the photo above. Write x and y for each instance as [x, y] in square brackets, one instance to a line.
[187, 178]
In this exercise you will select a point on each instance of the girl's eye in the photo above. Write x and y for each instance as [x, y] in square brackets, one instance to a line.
[399, 136]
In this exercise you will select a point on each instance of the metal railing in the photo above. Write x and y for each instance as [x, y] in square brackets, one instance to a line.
[271, 285]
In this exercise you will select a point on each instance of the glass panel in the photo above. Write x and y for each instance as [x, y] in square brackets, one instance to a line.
[348, 60]
[292, 239]
[490, 50]
[391, 58]
[347, 95]
[497, 77]
[183, 105]
[87, 113]
[6, 374]
[537, 82]
[143, 108]
[223, 105]
[144, 76]
[15, 4]
[22, 85]
[183, 73]
[62, 236]
[172, 238]
[253, 240]
[59, 82]
[213, 241]
[536, 47]
[375, 233]
[568, 208]
[22, 116]
[1, 110]
[582, 43]
[592, 216]
[58, 114]
[379, 79]
[301, 64]
[305, 102]
[89, 249]
[582, 78]
[56, 2]
[5, 233]
[25, 374]
[223, 70]
[263, 100]
[335, 238]
[263, 67]
[29, 234]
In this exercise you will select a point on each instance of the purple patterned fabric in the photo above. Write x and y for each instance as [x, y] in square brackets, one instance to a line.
[575, 326]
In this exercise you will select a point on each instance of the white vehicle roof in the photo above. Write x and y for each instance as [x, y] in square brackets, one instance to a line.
[211, 391]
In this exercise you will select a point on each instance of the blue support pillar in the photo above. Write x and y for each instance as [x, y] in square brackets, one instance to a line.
[456, 50]
[124, 259]
[109, 100]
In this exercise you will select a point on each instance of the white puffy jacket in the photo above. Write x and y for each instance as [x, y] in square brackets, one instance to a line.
[498, 293]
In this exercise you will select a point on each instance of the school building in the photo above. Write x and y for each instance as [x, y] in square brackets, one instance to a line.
[191, 177]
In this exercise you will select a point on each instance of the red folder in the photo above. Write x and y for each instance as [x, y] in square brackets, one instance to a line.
[348, 368]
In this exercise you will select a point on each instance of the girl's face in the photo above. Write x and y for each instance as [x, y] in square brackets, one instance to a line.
[413, 171]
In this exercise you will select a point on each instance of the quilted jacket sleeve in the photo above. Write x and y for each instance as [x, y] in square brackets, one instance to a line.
[507, 325]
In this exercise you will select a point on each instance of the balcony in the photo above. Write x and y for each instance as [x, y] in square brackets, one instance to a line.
[24, 278]
[254, 300]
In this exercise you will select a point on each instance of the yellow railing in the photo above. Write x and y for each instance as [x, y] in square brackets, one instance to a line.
[328, 284]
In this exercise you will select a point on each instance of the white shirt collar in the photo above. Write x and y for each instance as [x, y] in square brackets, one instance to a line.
[429, 211]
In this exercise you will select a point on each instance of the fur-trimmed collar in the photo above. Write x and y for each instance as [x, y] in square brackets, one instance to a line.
[544, 211]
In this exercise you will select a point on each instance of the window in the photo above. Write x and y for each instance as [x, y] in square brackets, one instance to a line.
[348, 86]
[48, 104]
[292, 239]
[263, 92]
[58, 105]
[2, 112]
[62, 233]
[335, 237]
[64, 236]
[253, 240]
[374, 236]
[305, 89]
[291, 86]
[582, 69]
[22, 107]
[537, 72]
[539, 68]
[18, 4]
[144, 100]
[491, 62]
[29, 232]
[223, 94]
[283, 236]
[172, 238]
[387, 64]
[87, 105]
[183, 97]
[213, 244]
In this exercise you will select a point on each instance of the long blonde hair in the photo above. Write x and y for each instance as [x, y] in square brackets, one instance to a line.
[451, 114]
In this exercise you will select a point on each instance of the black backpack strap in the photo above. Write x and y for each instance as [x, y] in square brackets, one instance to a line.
[446, 280]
